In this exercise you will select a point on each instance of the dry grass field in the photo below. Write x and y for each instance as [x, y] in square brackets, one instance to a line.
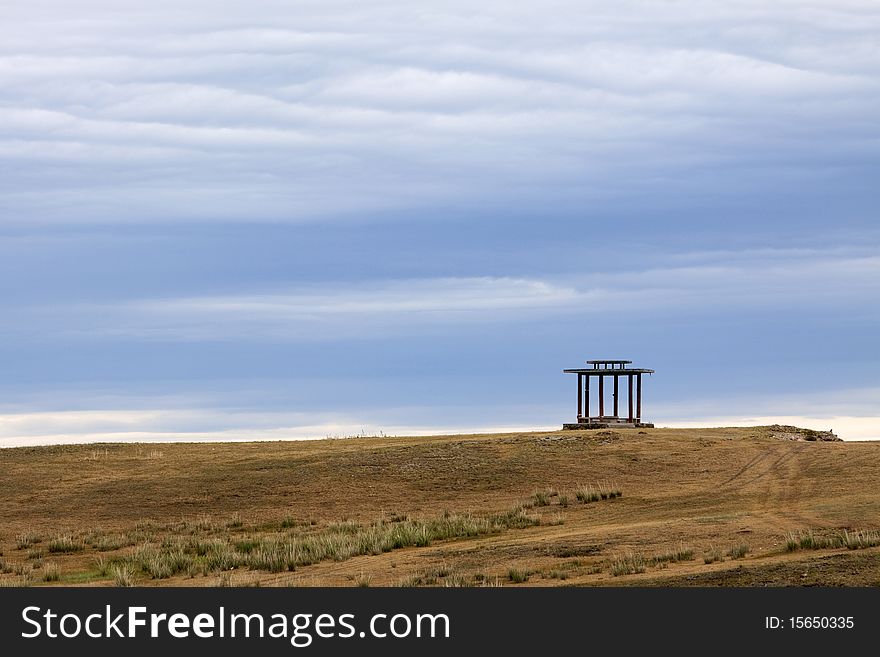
[708, 507]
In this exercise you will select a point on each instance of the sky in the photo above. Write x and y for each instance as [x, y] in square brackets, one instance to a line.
[267, 220]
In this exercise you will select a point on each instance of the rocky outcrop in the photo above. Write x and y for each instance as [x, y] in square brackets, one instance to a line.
[786, 432]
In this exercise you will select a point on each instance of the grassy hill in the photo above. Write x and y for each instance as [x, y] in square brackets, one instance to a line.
[723, 506]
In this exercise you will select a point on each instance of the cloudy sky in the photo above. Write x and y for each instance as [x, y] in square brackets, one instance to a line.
[273, 219]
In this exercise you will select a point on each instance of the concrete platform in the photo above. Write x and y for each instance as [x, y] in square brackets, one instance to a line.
[608, 425]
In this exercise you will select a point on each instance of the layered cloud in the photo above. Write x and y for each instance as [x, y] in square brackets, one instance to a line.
[120, 111]
[700, 284]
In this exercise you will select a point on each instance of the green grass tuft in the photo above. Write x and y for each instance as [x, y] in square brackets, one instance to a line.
[858, 540]
[853, 540]
[739, 551]
[122, 574]
[64, 544]
[540, 498]
[628, 564]
[587, 494]
[25, 540]
[51, 573]
[672, 556]
[714, 555]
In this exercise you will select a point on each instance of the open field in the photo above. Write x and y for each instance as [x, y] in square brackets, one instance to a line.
[710, 507]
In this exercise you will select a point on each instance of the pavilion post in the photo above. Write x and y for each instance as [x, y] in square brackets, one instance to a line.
[580, 396]
[587, 397]
[601, 396]
[615, 396]
[638, 397]
[629, 397]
